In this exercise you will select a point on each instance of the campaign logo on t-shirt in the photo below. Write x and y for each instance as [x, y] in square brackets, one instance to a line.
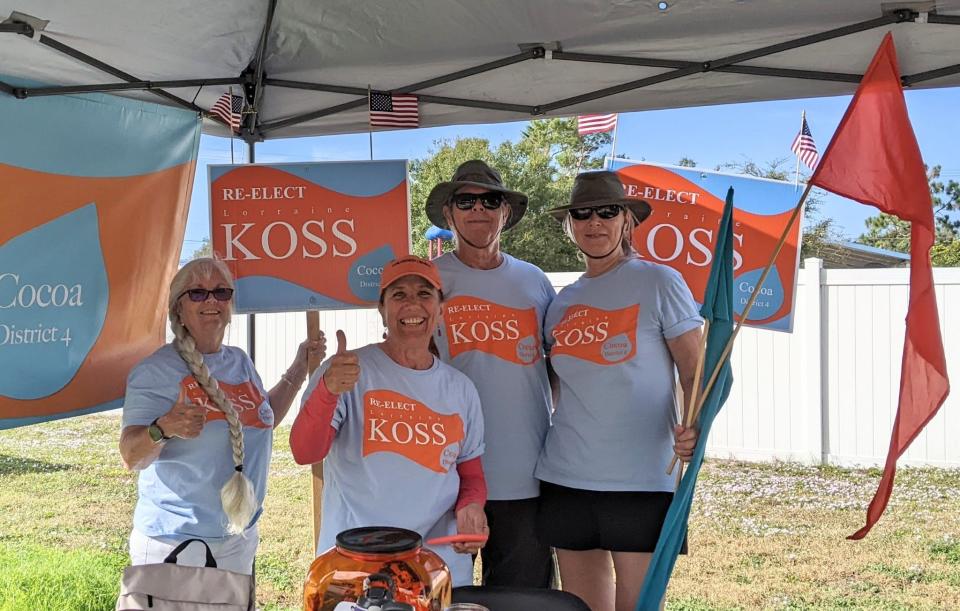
[245, 398]
[396, 423]
[476, 324]
[605, 337]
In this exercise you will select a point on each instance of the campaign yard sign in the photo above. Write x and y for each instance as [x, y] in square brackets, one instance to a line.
[94, 203]
[309, 236]
[687, 204]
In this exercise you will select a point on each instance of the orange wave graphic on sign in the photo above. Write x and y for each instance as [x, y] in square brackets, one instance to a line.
[396, 423]
[605, 337]
[476, 324]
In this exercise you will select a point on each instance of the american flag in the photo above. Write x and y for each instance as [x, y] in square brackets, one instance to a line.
[595, 124]
[394, 110]
[804, 147]
[229, 110]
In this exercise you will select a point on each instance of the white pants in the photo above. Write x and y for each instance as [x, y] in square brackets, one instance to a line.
[233, 553]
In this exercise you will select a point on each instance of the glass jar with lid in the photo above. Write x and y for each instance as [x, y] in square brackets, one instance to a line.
[378, 568]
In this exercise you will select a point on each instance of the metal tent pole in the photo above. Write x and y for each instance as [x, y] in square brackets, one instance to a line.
[251, 317]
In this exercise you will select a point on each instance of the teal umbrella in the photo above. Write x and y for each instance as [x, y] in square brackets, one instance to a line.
[718, 311]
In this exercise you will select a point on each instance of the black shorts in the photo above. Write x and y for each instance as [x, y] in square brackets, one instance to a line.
[579, 520]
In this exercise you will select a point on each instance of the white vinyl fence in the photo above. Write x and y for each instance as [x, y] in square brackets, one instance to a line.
[825, 393]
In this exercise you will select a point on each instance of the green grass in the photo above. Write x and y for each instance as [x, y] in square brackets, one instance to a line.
[948, 549]
[762, 536]
[37, 577]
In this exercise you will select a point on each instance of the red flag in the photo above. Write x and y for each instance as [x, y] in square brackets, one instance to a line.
[874, 158]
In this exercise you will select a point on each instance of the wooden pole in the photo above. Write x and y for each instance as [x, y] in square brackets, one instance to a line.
[688, 408]
[316, 479]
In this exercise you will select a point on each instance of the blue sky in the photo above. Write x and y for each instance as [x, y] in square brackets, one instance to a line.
[712, 135]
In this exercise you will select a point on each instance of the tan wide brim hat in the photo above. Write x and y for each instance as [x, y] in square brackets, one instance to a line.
[474, 173]
[601, 189]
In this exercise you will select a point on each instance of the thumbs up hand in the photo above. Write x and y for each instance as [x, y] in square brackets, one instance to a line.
[344, 370]
[185, 419]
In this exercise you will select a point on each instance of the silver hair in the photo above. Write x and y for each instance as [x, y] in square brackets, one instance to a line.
[237, 495]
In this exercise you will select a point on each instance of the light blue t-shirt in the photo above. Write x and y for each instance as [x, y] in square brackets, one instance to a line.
[400, 434]
[613, 426]
[179, 493]
[492, 330]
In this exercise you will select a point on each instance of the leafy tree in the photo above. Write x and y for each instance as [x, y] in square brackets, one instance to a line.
[946, 254]
[542, 164]
[205, 250]
[777, 169]
[686, 162]
[889, 232]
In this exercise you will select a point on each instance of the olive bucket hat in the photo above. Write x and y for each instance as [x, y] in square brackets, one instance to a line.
[600, 189]
[474, 173]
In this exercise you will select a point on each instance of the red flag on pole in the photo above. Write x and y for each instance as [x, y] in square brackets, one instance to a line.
[874, 159]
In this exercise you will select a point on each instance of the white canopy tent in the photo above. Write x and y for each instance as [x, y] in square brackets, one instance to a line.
[305, 67]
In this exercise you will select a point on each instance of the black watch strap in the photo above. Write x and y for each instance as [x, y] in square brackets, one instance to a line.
[156, 424]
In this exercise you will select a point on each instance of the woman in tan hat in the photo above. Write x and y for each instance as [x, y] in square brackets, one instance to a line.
[617, 336]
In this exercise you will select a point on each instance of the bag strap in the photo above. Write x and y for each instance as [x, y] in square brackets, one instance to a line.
[172, 556]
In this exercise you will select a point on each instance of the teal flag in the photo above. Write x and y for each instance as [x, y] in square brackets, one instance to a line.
[718, 311]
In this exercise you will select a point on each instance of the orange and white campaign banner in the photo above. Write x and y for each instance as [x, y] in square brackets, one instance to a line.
[309, 236]
[687, 203]
[94, 203]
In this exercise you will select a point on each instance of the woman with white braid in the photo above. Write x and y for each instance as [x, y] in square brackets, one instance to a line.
[198, 426]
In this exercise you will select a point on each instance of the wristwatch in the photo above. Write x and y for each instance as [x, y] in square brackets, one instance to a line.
[156, 433]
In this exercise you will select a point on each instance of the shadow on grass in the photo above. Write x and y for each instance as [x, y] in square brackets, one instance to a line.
[16, 465]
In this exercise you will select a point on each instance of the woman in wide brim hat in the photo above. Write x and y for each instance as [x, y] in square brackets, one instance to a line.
[616, 338]
[603, 192]
[474, 173]
[600, 189]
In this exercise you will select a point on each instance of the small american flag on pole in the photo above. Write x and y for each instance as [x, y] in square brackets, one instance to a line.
[595, 124]
[804, 147]
[394, 110]
[228, 107]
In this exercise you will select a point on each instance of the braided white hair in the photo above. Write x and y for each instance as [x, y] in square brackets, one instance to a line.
[237, 495]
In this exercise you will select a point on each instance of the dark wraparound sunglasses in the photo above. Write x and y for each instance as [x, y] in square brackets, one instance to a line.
[465, 201]
[605, 212]
[198, 295]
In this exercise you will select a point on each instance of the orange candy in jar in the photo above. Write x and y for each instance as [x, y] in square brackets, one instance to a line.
[378, 568]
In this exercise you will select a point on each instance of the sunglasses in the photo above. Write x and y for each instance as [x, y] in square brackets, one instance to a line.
[605, 212]
[466, 201]
[198, 295]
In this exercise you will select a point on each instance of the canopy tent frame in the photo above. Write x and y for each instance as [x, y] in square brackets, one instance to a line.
[254, 79]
